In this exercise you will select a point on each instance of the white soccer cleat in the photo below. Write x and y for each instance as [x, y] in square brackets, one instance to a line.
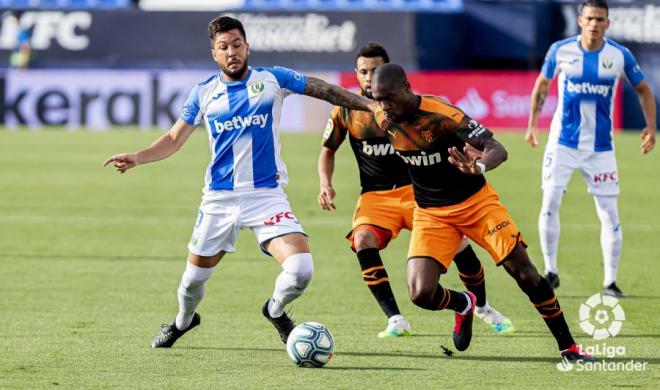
[498, 323]
[397, 326]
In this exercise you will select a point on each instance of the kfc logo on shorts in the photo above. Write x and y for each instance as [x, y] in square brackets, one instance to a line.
[605, 176]
[277, 218]
[499, 227]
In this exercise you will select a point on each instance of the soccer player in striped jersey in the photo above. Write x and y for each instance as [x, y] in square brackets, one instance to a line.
[588, 67]
[244, 184]
[455, 200]
[386, 203]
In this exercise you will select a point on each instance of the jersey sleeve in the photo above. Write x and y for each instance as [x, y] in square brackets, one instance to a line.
[335, 130]
[473, 132]
[289, 79]
[630, 67]
[549, 68]
[191, 113]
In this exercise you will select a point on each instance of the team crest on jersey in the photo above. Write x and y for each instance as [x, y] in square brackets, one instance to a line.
[256, 89]
[428, 136]
[607, 63]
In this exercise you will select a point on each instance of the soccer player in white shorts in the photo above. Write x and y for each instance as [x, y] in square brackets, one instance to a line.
[588, 68]
[240, 108]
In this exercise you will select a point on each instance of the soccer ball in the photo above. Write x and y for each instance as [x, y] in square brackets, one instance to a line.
[310, 344]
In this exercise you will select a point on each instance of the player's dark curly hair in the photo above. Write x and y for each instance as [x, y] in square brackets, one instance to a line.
[595, 3]
[223, 24]
[373, 49]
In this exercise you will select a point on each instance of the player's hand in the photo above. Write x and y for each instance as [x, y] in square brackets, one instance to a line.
[122, 162]
[463, 161]
[532, 136]
[472, 152]
[326, 198]
[648, 140]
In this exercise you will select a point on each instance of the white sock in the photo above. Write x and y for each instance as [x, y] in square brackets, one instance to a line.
[191, 291]
[297, 271]
[469, 305]
[549, 227]
[611, 236]
[483, 308]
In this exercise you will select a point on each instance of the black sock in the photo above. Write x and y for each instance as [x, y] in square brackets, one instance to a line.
[445, 298]
[374, 274]
[547, 305]
[471, 273]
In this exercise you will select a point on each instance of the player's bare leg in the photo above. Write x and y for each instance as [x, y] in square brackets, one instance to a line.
[426, 292]
[191, 291]
[471, 273]
[518, 265]
[292, 252]
[367, 244]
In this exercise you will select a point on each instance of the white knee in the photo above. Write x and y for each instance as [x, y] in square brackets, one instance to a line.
[606, 207]
[195, 277]
[299, 268]
[551, 201]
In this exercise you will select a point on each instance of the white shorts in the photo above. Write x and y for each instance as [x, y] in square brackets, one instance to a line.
[598, 169]
[223, 214]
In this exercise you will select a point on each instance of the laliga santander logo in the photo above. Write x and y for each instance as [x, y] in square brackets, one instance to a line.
[601, 316]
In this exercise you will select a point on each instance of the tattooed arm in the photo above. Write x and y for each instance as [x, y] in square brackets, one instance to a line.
[539, 93]
[337, 95]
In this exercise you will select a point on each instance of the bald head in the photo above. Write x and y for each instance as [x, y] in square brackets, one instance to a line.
[390, 74]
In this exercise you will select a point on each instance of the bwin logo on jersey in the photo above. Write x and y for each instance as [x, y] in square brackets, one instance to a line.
[588, 88]
[239, 122]
[422, 160]
[377, 150]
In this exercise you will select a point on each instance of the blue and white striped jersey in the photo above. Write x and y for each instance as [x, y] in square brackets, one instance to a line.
[586, 85]
[242, 119]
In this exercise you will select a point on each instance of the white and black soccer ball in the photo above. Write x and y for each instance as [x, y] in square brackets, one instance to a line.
[310, 344]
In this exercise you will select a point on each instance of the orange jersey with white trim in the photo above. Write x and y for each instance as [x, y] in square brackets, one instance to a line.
[423, 140]
[380, 167]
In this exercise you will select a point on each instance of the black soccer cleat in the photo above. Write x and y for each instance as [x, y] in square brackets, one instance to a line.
[169, 333]
[462, 334]
[283, 324]
[614, 291]
[575, 353]
[552, 279]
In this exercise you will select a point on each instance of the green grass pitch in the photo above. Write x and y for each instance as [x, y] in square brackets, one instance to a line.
[90, 261]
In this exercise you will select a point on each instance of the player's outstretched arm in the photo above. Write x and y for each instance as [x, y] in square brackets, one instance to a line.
[647, 101]
[472, 163]
[326, 167]
[337, 95]
[165, 146]
[539, 93]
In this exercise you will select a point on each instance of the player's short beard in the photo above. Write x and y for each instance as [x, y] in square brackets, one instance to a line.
[366, 94]
[239, 73]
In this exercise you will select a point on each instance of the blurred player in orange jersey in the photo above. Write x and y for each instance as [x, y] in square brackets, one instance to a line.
[455, 200]
[386, 204]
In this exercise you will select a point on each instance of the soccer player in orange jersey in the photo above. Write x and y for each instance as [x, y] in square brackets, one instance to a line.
[454, 199]
[386, 203]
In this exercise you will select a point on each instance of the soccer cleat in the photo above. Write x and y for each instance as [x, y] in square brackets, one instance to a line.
[614, 291]
[169, 333]
[574, 354]
[397, 326]
[498, 323]
[462, 334]
[283, 324]
[552, 279]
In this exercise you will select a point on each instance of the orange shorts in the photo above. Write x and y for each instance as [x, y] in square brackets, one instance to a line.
[438, 231]
[390, 210]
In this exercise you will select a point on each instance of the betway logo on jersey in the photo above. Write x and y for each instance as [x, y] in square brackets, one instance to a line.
[240, 122]
[588, 88]
[377, 150]
[422, 159]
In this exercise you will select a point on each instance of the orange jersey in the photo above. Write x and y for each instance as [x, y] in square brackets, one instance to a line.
[380, 168]
[423, 140]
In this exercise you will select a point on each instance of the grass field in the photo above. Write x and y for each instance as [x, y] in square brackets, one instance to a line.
[90, 261]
